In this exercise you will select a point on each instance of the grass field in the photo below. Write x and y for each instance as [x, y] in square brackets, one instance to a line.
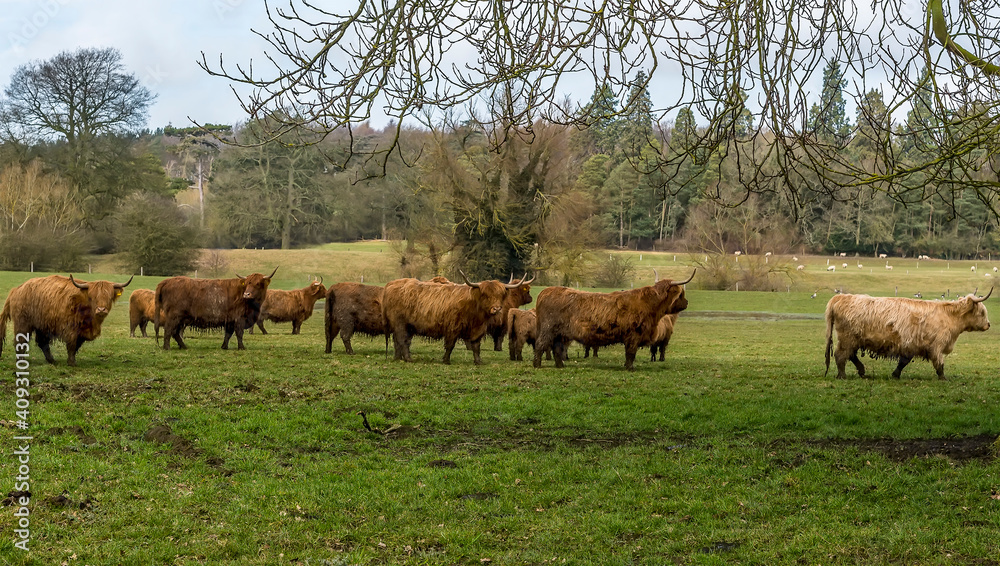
[736, 450]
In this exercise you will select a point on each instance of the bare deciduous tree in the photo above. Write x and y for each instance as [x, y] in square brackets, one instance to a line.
[735, 63]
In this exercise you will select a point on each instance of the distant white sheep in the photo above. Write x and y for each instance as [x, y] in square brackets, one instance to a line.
[844, 266]
[832, 268]
[800, 267]
[882, 256]
[973, 268]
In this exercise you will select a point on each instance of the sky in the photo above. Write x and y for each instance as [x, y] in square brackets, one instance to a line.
[160, 41]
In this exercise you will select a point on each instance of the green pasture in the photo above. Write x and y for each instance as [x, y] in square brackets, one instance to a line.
[736, 450]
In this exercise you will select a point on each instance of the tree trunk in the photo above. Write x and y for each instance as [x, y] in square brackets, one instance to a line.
[286, 228]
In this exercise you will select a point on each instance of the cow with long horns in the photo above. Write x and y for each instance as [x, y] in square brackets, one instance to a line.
[899, 328]
[518, 295]
[434, 310]
[601, 319]
[290, 306]
[232, 304]
[59, 307]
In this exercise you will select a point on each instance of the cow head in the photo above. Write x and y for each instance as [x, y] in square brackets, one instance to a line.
[255, 286]
[488, 295]
[100, 295]
[668, 296]
[316, 289]
[518, 292]
[973, 312]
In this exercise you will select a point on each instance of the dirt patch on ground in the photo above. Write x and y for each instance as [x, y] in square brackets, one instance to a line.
[75, 430]
[162, 434]
[958, 449]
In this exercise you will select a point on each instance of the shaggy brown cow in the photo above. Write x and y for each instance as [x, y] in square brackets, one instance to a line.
[59, 307]
[232, 304]
[140, 311]
[411, 307]
[523, 330]
[664, 331]
[353, 307]
[518, 295]
[290, 306]
[899, 328]
[600, 319]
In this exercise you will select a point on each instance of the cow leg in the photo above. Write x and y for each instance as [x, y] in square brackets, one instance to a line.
[498, 341]
[71, 349]
[938, 362]
[331, 332]
[346, 333]
[559, 351]
[476, 359]
[449, 345]
[840, 357]
[43, 340]
[228, 329]
[857, 364]
[630, 358]
[142, 328]
[401, 343]
[239, 338]
[260, 324]
[903, 360]
[296, 326]
[539, 348]
[179, 337]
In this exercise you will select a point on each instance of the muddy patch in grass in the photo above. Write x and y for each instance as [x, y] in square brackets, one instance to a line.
[74, 430]
[162, 434]
[958, 449]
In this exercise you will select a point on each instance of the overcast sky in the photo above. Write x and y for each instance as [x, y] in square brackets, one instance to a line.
[160, 41]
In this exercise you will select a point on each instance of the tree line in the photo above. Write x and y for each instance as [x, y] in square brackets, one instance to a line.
[78, 179]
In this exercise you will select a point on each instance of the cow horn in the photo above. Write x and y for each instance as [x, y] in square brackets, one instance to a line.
[240, 276]
[511, 280]
[523, 282]
[123, 285]
[320, 279]
[656, 276]
[978, 300]
[81, 286]
[467, 282]
[272, 273]
[679, 283]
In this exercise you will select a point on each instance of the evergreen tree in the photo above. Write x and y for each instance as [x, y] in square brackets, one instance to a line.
[828, 119]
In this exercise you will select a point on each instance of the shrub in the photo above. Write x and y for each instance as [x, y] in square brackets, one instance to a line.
[43, 249]
[152, 234]
[616, 271]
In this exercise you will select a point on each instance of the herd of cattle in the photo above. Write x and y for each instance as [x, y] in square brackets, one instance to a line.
[73, 311]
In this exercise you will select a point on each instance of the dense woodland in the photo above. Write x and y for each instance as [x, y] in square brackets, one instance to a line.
[541, 200]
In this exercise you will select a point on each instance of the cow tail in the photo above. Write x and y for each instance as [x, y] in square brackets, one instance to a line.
[829, 337]
[510, 323]
[4, 317]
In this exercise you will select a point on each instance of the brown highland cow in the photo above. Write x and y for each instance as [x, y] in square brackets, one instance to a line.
[232, 304]
[140, 311]
[290, 306]
[59, 307]
[353, 307]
